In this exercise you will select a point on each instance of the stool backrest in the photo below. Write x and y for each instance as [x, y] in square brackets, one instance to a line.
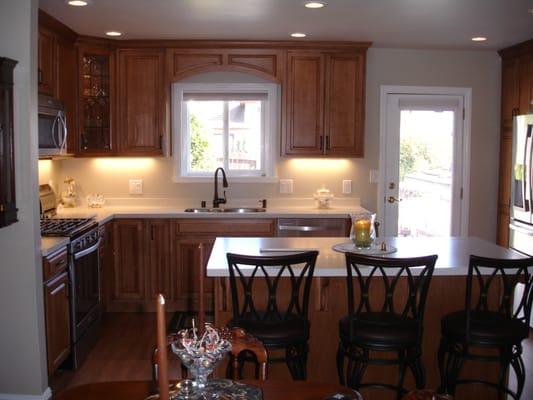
[502, 275]
[247, 271]
[417, 273]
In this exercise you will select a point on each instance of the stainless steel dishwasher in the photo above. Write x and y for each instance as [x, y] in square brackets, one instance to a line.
[301, 227]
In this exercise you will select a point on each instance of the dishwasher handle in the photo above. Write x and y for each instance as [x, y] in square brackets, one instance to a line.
[300, 228]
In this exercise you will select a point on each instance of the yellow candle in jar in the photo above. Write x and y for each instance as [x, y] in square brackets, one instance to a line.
[362, 233]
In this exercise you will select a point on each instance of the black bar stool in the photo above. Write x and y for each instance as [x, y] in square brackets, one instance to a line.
[485, 325]
[394, 326]
[279, 324]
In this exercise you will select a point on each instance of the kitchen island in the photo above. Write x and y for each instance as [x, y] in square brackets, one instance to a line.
[328, 300]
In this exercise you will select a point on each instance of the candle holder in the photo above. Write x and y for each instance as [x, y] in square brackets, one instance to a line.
[362, 233]
[200, 354]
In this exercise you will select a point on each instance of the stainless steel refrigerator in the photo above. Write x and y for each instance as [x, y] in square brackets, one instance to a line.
[521, 224]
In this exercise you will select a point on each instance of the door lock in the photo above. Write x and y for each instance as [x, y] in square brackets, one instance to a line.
[393, 199]
[392, 185]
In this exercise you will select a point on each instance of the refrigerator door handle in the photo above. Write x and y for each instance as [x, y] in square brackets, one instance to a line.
[526, 174]
[529, 166]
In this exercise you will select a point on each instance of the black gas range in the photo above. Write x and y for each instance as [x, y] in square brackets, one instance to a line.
[83, 271]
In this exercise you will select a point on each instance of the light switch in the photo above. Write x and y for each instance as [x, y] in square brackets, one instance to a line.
[346, 186]
[285, 185]
[374, 176]
[136, 186]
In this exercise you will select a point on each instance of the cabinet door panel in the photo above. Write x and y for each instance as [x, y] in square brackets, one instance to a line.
[129, 260]
[304, 104]
[510, 95]
[96, 107]
[141, 102]
[57, 321]
[344, 105]
[47, 73]
[66, 89]
[159, 242]
[185, 274]
[525, 83]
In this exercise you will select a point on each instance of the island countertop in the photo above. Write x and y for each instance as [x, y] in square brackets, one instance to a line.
[453, 252]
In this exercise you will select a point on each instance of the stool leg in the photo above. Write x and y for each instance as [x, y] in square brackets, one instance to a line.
[402, 365]
[296, 357]
[519, 369]
[340, 364]
[443, 366]
[357, 363]
[417, 368]
[455, 363]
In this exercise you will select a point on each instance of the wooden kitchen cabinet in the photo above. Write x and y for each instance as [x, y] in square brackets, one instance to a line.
[57, 309]
[264, 62]
[47, 62]
[159, 258]
[141, 102]
[129, 265]
[324, 104]
[96, 97]
[516, 95]
[106, 254]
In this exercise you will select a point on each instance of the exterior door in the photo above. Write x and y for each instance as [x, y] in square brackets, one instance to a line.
[423, 165]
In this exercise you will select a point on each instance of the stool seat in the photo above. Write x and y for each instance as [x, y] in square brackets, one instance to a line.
[487, 327]
[380, 329]
[273, 329]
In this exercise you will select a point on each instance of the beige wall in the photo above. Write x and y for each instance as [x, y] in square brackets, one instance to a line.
[477, 70]
[22, 345]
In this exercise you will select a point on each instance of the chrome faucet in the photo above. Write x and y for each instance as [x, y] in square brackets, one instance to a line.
[220, 200]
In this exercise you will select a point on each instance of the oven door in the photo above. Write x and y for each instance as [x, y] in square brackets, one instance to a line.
[85, 289]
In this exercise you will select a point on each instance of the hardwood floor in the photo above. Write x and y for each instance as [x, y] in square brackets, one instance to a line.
[124, 353]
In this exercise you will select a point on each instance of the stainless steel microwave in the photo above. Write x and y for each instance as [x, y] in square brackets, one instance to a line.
[52, 127]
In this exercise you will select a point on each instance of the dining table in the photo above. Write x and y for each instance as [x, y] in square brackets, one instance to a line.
[271, 390]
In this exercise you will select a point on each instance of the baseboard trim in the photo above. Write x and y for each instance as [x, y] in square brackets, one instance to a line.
[47, 394]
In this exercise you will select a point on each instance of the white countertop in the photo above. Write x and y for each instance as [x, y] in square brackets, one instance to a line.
[453, 252]
[108, 213]
[50, 245]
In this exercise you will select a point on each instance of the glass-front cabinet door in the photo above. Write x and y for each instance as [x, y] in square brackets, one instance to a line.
[96, 105]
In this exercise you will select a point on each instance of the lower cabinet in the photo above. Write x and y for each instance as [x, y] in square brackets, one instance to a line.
[151, 256]
[129, 265]
[57, 309]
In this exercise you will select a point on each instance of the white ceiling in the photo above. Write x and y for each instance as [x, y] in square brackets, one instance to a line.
[387, 23]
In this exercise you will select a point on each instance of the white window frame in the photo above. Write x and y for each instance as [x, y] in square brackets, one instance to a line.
[270, 129]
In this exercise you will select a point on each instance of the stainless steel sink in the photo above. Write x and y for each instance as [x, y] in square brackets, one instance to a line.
[226, 210]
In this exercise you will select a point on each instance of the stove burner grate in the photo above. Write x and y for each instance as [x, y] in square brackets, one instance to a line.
[64, 226]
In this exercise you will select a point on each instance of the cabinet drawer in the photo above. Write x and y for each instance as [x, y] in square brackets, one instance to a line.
[226, 227]
[54, 264]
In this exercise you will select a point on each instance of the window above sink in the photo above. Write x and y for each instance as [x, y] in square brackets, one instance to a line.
[230, 125]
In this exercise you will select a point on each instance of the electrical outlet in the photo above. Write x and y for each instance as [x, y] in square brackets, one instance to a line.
[346, 186]
[136, 186]
[374, 176]
[285, 186]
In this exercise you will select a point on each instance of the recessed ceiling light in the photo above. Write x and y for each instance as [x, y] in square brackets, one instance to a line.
[113, 33]
[314, 4]
[77, 3]
[479, 39]
[298, 35]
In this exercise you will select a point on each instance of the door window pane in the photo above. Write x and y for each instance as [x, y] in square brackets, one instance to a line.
[426, 171]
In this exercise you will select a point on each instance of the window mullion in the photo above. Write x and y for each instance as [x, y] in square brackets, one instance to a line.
[225, 139]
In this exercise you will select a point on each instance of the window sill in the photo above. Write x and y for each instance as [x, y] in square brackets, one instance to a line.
[235, 179]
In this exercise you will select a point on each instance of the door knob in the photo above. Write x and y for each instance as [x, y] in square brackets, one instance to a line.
[393, 199]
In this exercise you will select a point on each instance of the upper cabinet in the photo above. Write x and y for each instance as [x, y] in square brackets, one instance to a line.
[323, 103]
[265, 63]
[141, 102]
[47, 62]
[96, 100]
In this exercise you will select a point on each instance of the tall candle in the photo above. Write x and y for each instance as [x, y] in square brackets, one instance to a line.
[162, 348]
[362, 233]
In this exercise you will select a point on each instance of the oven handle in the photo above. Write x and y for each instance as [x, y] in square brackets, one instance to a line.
[87, 251]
